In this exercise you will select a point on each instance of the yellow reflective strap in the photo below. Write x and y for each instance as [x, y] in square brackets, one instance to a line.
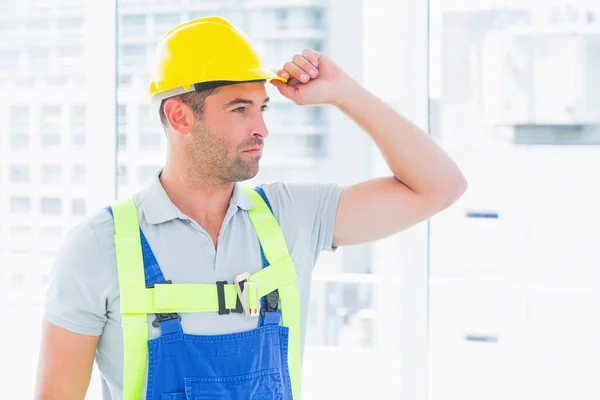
[130, 270]
[135, 338]
[189, 298]
[276, 252]
[290, 317]
[266, 227]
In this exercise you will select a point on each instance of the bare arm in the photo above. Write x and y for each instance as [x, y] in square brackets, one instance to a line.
[65, 364]
[425, 180]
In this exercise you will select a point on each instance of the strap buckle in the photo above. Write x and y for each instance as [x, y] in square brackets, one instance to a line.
[247, 294]
[164, 316]
[271, 304]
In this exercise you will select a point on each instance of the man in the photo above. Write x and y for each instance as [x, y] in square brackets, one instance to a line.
[216, 241]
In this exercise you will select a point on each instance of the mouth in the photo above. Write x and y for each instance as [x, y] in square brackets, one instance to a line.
[254, 150]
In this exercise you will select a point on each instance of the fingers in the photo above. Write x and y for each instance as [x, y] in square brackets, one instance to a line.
[283, 74]
[301, 68]
[312, 56]
[306, 65]
[296, 72]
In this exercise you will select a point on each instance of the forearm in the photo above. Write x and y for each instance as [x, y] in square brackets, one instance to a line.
[413, 157]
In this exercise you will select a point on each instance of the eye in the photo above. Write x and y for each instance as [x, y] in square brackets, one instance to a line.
[264, 108]
[239, 110]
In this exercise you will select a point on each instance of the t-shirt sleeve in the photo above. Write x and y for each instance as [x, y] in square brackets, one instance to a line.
[306, 211]
[76, 298]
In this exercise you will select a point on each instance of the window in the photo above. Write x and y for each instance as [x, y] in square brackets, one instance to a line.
[316, 45]
[19, 142]
[123, 178]
[20, 205]
[280, 18]
[79, 207]
[150, 137]
[38, 57]
[9, 60]
[315, 18]
[78, 175]
[70, 52]
[511, 95]
[78, 125]
[51, 174]
[19, 115]
[133, 55]
[150, 141]
[133, 25]
[314, 116]
[18, 127]
[50, 114]
[50, 139]
[67, 23]
[50, 126]
[21, 234]
[122, 141]
[125, 80]
[122, 126]
[9, 25]
[20, 174]
[315, 146]
[51, 206]
[37, 24]
[146, 173]
[50, 233]
[164, 22]
[46, 51]
[16, 281]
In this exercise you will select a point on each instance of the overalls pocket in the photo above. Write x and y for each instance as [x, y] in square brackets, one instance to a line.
[264, 385]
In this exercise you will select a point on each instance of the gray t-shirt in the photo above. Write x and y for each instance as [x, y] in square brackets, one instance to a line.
[83, 295]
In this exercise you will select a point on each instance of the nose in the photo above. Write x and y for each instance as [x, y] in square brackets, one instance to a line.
[260, 127]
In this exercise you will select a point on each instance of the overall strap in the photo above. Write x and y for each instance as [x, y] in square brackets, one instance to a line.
[277, 255]
[169, 322]
[271, 314]
[132, 277]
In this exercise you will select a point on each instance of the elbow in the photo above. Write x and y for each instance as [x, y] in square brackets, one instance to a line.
[456, 190]
[449, 193]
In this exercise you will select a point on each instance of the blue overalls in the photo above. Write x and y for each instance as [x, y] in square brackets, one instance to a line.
[247, 365]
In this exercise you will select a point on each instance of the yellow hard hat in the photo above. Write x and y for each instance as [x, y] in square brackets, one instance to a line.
[205, 53]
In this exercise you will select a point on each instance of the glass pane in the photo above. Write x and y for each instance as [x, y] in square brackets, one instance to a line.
[20, 174]
[50, 206]
[51, 174]
[20, 205]
[78, 175]
[514, 278]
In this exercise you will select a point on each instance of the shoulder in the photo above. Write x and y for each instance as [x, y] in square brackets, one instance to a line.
[94, 235]
[301, 203]
[297, 193]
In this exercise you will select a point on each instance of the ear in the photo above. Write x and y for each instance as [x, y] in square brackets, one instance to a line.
[179, 115]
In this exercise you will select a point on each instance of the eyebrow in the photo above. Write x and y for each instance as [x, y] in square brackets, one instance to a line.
[243, 101]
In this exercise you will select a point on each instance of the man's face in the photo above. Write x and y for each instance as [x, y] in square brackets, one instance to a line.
[227, 141]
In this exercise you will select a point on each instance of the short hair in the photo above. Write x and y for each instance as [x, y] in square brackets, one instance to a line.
[194, 100]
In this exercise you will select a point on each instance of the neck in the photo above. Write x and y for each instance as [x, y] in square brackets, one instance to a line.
[204, 200]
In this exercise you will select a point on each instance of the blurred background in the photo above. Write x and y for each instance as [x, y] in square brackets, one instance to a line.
[497, 297]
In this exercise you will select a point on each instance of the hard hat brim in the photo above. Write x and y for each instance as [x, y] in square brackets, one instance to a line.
[263, 73]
